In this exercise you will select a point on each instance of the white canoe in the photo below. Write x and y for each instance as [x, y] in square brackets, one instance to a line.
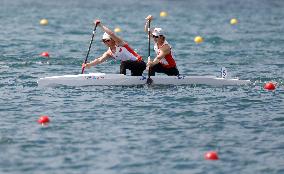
[100, 79]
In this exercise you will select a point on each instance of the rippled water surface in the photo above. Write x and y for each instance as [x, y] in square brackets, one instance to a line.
[142, 129]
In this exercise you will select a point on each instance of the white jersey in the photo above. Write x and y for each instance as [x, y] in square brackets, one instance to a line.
[124, 53]
[168, 61]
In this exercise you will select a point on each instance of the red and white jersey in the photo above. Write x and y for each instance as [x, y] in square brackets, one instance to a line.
[168, 61]
[124, 53]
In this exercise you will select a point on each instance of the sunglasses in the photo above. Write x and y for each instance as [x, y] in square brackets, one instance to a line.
[155, 36]
[106, 40]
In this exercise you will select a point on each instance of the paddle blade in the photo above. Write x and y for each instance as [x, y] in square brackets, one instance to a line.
[149, 81]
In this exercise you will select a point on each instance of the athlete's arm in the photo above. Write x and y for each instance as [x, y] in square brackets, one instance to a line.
[117, 39]
[163, 52]
[98, 60]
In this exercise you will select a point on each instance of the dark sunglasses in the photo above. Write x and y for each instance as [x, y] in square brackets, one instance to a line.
[106, 40]
[155, 36]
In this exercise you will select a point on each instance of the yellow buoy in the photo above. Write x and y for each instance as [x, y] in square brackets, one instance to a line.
[117, 29]
[198, 39]
[234, 21]
[43, 22]
[163, 14]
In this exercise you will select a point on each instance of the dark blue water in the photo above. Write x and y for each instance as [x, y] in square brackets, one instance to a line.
[160, 129]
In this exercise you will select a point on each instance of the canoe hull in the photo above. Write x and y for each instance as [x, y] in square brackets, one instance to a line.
[102, 79]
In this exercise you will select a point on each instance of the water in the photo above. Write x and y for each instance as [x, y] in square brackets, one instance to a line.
[160, 129]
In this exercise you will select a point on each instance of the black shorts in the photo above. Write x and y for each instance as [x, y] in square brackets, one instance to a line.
[136, 67]
[159, 68]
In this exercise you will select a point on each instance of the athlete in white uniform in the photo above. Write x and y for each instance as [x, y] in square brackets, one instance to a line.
[164, 62]
[119, 50]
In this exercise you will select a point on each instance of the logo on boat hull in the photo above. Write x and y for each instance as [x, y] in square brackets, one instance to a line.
[180, 77]
[95, 77]
[143, 78]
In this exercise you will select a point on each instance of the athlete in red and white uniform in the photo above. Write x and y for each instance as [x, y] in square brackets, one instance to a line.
[119, 50]
[164, 62]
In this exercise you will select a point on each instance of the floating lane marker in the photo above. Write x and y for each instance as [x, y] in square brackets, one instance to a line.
[234, 21]
[117, 30]
[212, 155]
[43, 120]
[45, 54]
[198, 39]
[43, 22]
[269, 86]
[163, 14]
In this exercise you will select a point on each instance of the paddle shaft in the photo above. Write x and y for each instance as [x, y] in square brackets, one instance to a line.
[149, 33]
[86, 59]
[149, 80]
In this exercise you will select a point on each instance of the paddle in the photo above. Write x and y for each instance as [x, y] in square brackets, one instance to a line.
[149, 80]
[86, 59]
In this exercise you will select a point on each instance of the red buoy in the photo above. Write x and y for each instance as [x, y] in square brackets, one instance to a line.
[44, 54]
[43, 119]
[212, 155]
[269, 86]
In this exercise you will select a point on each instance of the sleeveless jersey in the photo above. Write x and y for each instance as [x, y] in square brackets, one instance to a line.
[168, 61]
[124, 53]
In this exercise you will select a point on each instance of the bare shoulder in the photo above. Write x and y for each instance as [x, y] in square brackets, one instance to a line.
[165, 47]
[121, 43]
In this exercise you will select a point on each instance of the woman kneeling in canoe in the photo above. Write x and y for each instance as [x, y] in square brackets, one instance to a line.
[119, 50]
[164, 62]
